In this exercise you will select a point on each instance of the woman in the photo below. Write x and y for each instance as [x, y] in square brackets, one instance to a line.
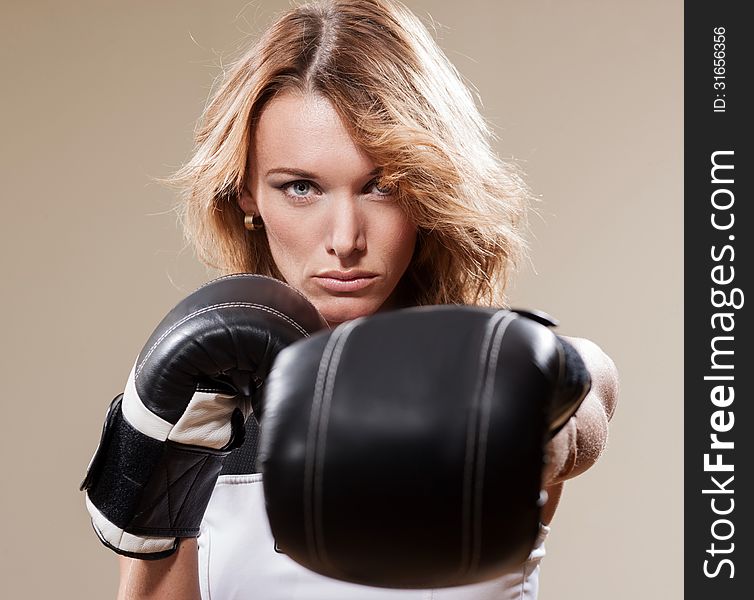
[344, 155]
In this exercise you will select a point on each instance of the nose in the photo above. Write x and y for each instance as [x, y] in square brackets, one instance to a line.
[347, 234]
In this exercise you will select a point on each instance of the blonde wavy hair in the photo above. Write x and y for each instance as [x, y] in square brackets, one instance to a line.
[406, 106]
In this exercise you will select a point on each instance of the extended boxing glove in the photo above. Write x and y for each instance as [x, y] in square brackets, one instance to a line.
[183, 410]
[405, 449]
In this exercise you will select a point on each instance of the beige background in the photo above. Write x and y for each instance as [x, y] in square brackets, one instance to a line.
[100, 97]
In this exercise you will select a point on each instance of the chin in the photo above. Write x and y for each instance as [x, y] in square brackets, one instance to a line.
[338, 310]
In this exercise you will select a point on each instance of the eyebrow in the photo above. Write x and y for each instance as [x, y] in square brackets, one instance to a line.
[306, 174]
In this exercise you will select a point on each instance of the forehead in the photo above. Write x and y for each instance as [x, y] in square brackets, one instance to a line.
[305, 131]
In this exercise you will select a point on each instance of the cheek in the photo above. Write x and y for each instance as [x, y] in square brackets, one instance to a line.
[398, 238]
[290, 244]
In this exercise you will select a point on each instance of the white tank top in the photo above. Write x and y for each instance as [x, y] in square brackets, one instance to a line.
[238, 561]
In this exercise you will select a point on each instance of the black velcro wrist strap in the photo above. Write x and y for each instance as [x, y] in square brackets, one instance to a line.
[148, 487]
[121, 467]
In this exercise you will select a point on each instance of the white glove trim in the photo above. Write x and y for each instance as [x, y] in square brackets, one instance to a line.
[139, 416]
[117, 538]
[206, 421]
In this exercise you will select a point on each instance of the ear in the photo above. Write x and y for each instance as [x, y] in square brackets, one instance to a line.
[246, 201]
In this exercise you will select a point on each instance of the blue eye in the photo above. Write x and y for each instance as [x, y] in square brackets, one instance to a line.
[300, 188]
[300, 191]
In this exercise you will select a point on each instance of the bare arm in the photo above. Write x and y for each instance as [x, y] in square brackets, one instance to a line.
[172, 578]
[582, 440]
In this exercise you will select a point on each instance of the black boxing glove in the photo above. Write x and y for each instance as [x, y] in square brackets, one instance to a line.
[406, 449]
[183, 410]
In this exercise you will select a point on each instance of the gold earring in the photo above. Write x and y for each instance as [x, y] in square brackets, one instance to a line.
[248, 222]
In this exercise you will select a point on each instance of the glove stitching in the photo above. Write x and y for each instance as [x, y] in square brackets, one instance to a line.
[316, 437]
[168, 498]
[477, 440]
[311, 441]
[198, 471]
[322, 436]
[471, 448]
[169, 483]
[210, 308]
[499, 329]
[257, 276]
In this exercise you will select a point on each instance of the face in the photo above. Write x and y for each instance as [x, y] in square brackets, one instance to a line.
[334, 234]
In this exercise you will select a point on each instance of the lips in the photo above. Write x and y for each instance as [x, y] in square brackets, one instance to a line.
[345, 281]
